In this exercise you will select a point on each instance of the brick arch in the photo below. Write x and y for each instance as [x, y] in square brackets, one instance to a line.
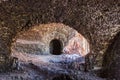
[52, 31]
[93, 22]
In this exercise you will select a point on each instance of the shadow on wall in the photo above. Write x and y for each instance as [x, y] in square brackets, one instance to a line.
[111, 60]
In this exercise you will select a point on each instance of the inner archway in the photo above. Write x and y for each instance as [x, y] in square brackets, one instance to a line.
[56, 47]
[51, 40]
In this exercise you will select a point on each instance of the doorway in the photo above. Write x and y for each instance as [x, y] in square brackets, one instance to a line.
[56, 47]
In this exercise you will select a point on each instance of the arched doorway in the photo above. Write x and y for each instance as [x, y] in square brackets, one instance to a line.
[56, 47]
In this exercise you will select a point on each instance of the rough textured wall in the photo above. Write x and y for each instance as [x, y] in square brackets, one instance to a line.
[111, 61]
[37, 40]
[97, 20]
[77, 45]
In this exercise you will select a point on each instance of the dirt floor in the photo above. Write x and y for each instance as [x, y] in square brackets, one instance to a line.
[47, 67]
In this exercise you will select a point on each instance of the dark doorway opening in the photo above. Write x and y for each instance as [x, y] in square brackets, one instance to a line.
[56, 47]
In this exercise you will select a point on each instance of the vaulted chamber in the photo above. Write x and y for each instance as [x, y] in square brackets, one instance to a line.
[51, 39]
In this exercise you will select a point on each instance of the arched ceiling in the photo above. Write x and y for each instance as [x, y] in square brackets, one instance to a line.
[97, 20]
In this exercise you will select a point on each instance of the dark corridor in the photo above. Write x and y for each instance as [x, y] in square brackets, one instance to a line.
[56, 47]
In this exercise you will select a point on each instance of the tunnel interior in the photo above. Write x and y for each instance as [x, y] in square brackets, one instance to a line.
[85, 16]
[52, 38]
[56, 47]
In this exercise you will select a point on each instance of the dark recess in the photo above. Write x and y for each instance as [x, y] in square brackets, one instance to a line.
[56, 47]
